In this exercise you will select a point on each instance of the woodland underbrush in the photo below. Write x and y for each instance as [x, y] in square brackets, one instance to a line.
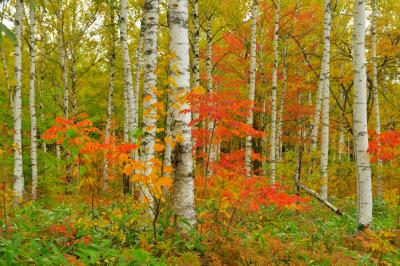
[116, 230]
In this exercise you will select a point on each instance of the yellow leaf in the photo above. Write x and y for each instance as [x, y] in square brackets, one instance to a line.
[147, 98]
[128, 169]
[168, 140]
[165, 181]
[168, 169]
[199, 90]
[159, 147]
[179, 138]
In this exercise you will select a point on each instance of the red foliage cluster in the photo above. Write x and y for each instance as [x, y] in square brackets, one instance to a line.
[385, 146]
[66, 234]
[227, 110]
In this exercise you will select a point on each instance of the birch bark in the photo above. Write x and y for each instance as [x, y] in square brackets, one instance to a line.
[183, 186]
[32, 104]
[375, 95]
[279, 143]
[150, 84]
[110, 96]
[252, 87]
[324, 79]
[273, 95]
[129, 103]
[360, 128]
[18, 171]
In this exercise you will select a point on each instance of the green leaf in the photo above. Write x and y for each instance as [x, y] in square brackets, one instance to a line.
[82, 170]
[8, 32]
[70, 133]
[75, 151]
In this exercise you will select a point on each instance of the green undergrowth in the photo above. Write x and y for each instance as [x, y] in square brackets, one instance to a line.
[46, 233]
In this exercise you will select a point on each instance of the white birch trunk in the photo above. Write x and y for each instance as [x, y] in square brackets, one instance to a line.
[18, 171]
[150, 85]
[196, 60]
[110, 101]
[279, 144]
[252, 87]
[316, 118]
[341, 146]
[63, 63]
[376, 97]
[360, 128]
[6, 74]
[325, 99]
[32, 104]
[138, 75]
[129, 96]
[183, 185]
[273, 95]
[212, 148]
[196, 44]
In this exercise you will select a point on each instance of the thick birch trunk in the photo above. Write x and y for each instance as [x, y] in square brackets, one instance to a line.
[183, 186]
[18, 171]
[360, 128]
[375, 95]
[325, 100]
[252, 87]
[279, 143]
[32, 107]
[150, 84]
[273, 95]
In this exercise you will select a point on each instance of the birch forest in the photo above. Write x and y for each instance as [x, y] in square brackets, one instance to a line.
[200, 132]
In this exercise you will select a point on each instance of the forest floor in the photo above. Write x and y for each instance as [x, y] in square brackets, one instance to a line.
[65, 230]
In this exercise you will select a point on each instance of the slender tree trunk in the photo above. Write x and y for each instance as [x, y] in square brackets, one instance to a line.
[316, 118]
[62, 50]
[252, 88]
[325, 100]
[183, 186]
[196, 60]
[360, 128]
[168, 136]
[73, 51]
[128, 83]
[18, 171]
[32, 104]
[110, 102]
[211, 148]
[63, 63]
[42, 118]
[5, 70]
[341, 146]
[279, 143]
[150, 83]
[376, 97]
[264, 140]
[273, 96]
[138, 74]
[196, 44]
